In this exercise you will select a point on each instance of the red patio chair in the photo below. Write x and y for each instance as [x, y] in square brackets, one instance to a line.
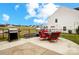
[54, 36]
[43, 34]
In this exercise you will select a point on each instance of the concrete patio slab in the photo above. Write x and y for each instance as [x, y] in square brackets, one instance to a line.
[27, 49]
[63, 46]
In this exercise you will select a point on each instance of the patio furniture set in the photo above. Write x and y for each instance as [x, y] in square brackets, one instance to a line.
[44, 34]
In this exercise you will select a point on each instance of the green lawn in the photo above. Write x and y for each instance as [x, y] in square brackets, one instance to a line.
[72, 37]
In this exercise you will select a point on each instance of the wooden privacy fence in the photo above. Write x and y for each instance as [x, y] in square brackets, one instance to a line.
[21, 33]
[28, 32]
[1, 33]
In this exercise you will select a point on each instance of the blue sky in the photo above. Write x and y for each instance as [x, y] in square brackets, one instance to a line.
[29, 14]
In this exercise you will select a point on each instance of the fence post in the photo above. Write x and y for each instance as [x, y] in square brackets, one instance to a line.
[3, 33]
[29, 32]
[18, 33]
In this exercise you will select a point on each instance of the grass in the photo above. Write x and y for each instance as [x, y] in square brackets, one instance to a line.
[72, 37]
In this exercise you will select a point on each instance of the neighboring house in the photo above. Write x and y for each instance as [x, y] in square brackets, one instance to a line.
[64, 19]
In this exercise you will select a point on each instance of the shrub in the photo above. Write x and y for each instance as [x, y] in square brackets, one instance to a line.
[70, 31]
[77, 30]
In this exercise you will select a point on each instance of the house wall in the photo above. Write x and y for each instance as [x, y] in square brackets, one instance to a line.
[66, 17]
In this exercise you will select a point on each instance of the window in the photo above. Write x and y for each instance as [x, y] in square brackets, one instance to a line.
[64, 28]
[52, 26]
[56, 20]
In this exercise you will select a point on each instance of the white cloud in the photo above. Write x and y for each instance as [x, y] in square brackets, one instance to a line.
[44, 12]
[31, 7]
[16, 7]
[6, 17]
[27, 17]
[48, 10]
[40, 21]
